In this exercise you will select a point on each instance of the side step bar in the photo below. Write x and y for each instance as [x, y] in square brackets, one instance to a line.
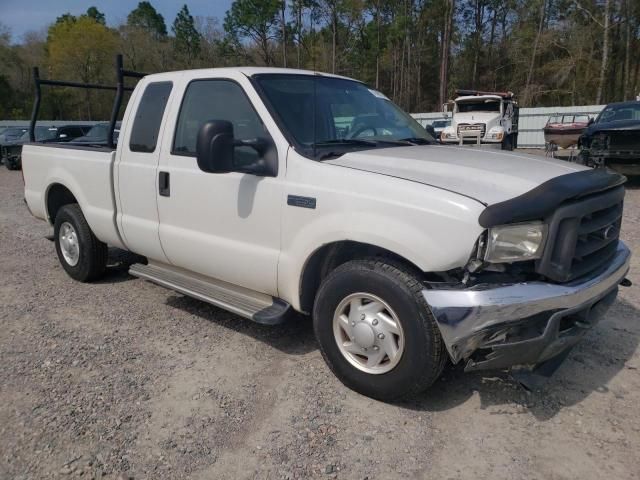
[255, 306]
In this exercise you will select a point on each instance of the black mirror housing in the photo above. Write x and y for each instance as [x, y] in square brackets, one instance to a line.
[215, 147]
[215, 150]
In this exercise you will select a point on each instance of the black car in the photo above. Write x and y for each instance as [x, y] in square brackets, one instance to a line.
[98, 134]
[9, 135]
[613, 138]
[12, 151]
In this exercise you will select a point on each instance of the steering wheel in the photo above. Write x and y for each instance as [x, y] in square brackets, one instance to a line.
[356, 133]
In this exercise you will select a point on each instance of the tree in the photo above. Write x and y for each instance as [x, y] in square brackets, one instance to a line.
[187, 39]
[97, 15]
[83, 49]
[146, 17]
[256, 20]
[446, 50]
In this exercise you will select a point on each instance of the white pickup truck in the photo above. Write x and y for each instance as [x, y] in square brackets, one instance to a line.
[246, 188]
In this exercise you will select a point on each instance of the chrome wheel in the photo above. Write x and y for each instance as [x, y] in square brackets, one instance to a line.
[368, 333]
[68, 239]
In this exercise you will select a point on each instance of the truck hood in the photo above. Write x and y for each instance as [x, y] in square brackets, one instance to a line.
[490, 176]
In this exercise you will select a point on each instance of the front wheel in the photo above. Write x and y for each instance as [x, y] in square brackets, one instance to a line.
[375, 330]
[81, 254]
[507, 143]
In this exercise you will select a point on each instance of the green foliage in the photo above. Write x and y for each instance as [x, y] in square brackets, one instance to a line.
[549, 52]
[146, 17]
[187, 38]
[254, 21]
[97, 15]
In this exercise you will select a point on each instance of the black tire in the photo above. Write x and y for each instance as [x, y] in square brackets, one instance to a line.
[424, 354]
[507, 143]
[92, 260]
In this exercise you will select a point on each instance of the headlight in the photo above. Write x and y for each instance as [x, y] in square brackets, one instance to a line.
[496, 133]
[515, 243]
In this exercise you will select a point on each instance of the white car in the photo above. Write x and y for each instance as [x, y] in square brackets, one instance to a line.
[239, 188]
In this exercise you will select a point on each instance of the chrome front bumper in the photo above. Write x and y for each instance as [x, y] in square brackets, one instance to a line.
[524, 323]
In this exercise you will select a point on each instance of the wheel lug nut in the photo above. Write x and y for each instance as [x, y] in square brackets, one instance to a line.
[376, 348]
[362, 317]
[353, 324]
[374, 321]
[381, 336]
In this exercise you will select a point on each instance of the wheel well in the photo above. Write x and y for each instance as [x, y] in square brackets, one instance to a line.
[329, 257]
[57, 197]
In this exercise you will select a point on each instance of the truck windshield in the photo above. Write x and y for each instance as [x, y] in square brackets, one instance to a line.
[485, 106]
[616, 113]
[328, 116]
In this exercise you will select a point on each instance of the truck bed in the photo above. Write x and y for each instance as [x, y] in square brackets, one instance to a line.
[85, 170]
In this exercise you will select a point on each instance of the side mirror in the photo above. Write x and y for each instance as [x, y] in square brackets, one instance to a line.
[215, 151]
[214, 147]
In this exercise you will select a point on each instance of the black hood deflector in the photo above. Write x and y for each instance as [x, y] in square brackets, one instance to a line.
[540, 202]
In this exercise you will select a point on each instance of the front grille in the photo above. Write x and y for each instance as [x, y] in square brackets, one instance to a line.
[583, 236]
[471, 130]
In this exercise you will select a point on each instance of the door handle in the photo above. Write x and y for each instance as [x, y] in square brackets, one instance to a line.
[164, 187]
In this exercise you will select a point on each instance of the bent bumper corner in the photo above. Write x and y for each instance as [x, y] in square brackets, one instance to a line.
[523, 324]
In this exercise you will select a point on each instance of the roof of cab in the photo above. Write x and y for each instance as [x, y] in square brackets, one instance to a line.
[248, 71]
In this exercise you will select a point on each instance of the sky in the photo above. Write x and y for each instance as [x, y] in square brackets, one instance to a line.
[22, 16]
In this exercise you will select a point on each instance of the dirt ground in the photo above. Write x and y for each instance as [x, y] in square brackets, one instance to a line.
[123, 378]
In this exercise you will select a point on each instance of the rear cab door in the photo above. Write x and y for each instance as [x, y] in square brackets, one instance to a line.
[137, 164]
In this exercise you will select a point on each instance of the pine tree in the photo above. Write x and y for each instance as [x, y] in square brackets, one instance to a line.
[187, 41]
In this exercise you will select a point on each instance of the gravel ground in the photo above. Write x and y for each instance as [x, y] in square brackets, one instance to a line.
[122, 379]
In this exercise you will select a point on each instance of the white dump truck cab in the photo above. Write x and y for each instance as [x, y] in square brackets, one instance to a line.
[483, 118]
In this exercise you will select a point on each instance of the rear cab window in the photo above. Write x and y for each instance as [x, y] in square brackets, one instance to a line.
[146, 125]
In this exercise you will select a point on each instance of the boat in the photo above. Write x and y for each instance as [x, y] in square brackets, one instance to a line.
[564, 130]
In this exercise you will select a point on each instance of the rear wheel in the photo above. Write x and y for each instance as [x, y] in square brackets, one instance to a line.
[375, 330]
[81, 254]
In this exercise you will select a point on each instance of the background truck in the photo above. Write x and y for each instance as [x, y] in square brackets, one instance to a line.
[483, 118]
[248, 189]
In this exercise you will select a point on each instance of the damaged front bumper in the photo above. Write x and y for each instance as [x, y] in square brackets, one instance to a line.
[524, 324]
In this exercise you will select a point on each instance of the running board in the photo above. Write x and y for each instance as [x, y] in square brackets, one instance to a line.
[260, 308]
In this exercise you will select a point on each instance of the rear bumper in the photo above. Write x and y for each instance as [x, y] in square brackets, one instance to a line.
[523, 324]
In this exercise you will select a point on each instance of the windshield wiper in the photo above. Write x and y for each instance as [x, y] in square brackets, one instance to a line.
[416, 141]
[331, 154]
[346, 141]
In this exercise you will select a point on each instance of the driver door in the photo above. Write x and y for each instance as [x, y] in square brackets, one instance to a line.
[221, 225]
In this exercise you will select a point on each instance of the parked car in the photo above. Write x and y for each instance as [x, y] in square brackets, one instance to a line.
[98, 134]
[439, 126]
[8, 136]
[238, 189]
[613, 139]
[12, 152]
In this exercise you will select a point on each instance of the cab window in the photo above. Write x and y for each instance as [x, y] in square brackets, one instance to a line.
[206, 100]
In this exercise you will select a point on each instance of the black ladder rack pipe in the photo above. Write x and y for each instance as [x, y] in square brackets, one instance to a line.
[120, 88]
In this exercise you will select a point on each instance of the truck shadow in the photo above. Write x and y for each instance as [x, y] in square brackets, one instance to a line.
[118, 265]
[293, 337]
[633, 182]
[592, 364]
